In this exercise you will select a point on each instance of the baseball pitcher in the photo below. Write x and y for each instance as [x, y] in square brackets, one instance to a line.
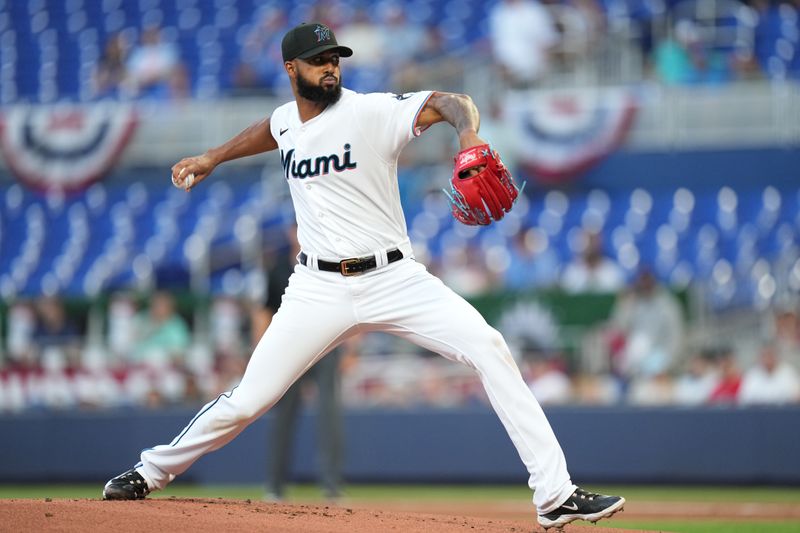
[356, 270]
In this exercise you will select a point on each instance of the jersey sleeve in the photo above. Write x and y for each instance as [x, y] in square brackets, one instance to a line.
[389, 121]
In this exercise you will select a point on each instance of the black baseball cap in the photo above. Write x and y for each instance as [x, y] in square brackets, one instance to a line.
[309, 39]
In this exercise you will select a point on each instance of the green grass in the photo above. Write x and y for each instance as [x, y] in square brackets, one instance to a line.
[426, 492]
[782, 495]
[503, 492]
[706, 526]
[295, 492]
[704, 494]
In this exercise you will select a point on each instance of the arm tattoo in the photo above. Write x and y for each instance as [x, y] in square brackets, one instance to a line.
[458, 110]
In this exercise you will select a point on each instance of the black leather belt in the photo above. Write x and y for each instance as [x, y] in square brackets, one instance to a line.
[353, 266]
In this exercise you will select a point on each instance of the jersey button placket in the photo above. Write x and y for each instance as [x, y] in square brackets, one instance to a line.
[329, 229]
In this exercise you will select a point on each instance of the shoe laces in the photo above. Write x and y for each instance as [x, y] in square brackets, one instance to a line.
[128, 476]
[585, 494]
[135, 479]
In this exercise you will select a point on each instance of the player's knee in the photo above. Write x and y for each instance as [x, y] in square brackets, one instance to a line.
[231, 418]
[245, 408]
[493, 339]
[496, 348]
[248, 413]
[243, 411]
[252, 410]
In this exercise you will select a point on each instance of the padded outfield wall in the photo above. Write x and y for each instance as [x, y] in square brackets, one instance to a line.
[615, 444]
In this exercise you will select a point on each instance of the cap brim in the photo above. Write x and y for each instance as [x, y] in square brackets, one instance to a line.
[343, 51]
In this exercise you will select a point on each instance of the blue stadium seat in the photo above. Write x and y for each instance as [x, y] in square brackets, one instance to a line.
[97, 235]
[463, 22]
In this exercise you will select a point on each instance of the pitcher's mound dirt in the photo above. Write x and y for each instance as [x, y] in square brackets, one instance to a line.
[199, 515]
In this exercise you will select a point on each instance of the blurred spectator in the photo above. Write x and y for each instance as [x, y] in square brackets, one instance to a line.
[533, 264]
[685, 58]
[530, 328]
[463, 269]
[651, 390]
[776, 21]
[388, 381]
[673, 60]
[522, 35]
[591, 19]
[646, 329]
[786, 332]
[220, 368]
[227, 325]
[582, 28]
[592, 270]
[730, 378]
[44, 348]
[56, 334]
[58, 343]
[432, 61]
[596, 389]
[770, 381]
[546, 378]
[532, 332]
[638, 20]
[696, 384]
[21, 326]
[155, 69]
[368, 69]
[362, 34]
[334, 13]
[261, 63]
[228, 372]
[111, 71]
[97, 387]
[122, 327]
[162, 334]
[498, 126]
[156, 372]
[402, 40]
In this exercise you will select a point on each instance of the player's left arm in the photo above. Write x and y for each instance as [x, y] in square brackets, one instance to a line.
[456, 109]
[482, 189]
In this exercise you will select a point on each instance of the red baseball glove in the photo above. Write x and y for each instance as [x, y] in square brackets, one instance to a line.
[481, 189]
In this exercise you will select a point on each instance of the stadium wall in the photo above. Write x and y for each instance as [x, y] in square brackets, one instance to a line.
[696, 170]
[623, 170]
[615, 444]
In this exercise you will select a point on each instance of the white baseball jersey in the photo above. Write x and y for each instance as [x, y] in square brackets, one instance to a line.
[343, 179]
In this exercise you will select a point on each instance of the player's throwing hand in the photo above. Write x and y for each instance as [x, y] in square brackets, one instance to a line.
[190, 171]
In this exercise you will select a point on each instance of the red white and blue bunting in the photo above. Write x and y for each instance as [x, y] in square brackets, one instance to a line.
[565, 132]
[65, 146]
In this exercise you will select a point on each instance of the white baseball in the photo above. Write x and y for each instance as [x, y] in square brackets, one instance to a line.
[189, 181]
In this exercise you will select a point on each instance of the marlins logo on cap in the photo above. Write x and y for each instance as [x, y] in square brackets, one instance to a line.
[323, 33]
[307, 40]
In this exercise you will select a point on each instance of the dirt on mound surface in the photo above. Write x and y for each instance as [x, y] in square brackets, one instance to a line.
[200, 515]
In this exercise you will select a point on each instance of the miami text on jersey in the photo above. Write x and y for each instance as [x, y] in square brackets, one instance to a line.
[306, 168]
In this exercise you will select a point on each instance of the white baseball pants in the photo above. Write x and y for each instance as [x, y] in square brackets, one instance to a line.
[318, 311]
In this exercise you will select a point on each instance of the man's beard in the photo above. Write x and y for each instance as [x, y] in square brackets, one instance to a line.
[318, 94]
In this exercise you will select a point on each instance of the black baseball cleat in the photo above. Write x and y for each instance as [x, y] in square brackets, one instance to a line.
[582, 505]
[128, 486]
